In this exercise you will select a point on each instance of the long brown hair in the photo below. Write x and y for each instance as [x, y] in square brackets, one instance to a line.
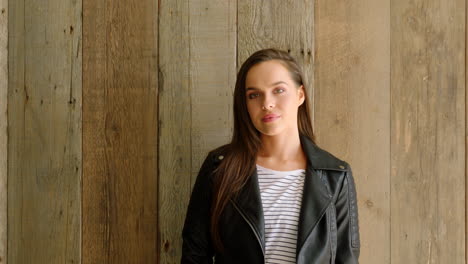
[239, 162]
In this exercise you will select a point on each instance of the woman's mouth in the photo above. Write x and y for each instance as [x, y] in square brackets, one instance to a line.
[270, 118]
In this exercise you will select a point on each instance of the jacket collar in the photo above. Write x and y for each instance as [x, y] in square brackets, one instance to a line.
[315, 199]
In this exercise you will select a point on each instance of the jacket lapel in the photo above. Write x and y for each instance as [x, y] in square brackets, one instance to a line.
[315, 199]
[249, 202]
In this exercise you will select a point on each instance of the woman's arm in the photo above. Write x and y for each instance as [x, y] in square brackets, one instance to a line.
[197, 247]
[348, 246]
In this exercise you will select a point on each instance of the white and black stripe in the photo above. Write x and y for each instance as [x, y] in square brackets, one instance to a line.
[281, 193]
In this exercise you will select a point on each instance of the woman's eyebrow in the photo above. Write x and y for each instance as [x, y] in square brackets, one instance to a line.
[273, 84]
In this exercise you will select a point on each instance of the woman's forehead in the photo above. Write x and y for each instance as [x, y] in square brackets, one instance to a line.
[271, 85]
[266, 74]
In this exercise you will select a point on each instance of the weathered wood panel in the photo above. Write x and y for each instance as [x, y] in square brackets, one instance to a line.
[3, 127]
[197, 76]
[428, 131]
[212, 75]
[352, 97]
[286, 25]
[120, 132]
[44, 113]
[175, 122]
[197, 69]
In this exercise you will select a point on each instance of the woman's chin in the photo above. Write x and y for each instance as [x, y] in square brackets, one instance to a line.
[270, 131]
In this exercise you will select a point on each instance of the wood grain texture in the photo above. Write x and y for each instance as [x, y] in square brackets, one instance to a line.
[3, 128]
[44, 113]
[175, 124]
[428, 131]
[286, 25]
[352, 113]
[120, 132]
[212, 75]
[197, 77]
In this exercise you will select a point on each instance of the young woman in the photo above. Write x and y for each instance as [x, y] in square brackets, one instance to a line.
[272, 195]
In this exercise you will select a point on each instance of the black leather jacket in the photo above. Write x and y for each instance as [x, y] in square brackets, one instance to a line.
[328, 230]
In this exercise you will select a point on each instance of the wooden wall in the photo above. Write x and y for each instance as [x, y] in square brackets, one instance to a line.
[352, 112]
[428, 131]
[119, 191]
[3, 127]
[108, 108]
[44, 131]
[197, 74]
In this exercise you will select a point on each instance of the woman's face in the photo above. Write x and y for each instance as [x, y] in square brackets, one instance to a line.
[273, 98]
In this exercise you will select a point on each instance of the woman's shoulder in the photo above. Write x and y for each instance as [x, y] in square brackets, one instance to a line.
[321, 158]
[217, 154]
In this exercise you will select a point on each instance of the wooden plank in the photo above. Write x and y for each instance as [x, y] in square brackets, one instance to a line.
[3, 127]
[352, 97]
[197, 65]
[175, 123]
[428, 128]
[44, 113]
[212, 75]
[286, 25]
[96, 190]
[120, 132]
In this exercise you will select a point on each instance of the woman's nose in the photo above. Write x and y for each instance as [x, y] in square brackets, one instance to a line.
[268, 104]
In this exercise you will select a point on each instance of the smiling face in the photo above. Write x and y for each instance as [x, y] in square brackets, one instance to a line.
[273, 98]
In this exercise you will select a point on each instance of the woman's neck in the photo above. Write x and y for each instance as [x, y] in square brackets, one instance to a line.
[281, 148]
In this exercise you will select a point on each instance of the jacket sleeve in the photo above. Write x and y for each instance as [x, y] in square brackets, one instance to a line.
[196, 245]
[348, 244]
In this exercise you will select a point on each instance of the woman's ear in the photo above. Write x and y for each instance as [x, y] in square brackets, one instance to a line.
[301, 94]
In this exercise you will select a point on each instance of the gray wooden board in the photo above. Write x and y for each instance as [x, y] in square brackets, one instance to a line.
[212, 75]
[175, 123]
[197, 75]
[44, 113]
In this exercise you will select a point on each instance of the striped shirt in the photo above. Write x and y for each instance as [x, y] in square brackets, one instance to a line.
[281, 193]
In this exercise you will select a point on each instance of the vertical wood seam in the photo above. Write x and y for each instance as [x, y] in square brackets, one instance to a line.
[466, 108]
[7, 64]
[189, 70]
[391, 129]
[390, 134]
[158, 135]
[237, 38]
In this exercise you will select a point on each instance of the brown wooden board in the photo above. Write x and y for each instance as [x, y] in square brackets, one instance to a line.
[428, 131]
[44, 128]
[3, 127]
[120, 132]
[352, 112]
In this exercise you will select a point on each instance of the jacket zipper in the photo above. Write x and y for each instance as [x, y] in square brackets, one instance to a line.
[253, 229]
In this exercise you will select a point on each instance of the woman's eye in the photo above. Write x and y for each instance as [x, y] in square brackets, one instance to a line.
[280, 90]
[253, 95]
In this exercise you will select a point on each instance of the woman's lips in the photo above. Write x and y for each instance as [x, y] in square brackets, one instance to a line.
[270, 118]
